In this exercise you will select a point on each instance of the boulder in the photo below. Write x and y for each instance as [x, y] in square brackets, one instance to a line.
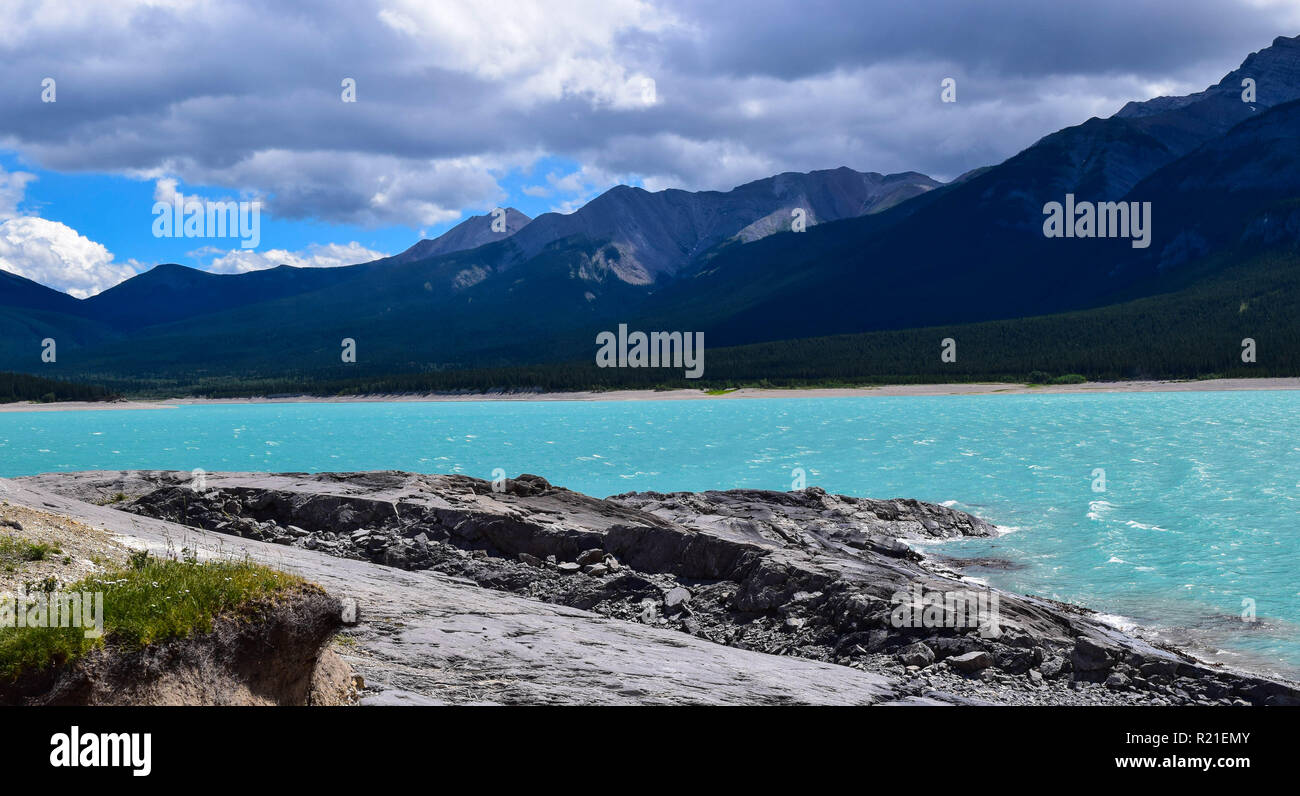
[676, 597]
[593, 556]
[1091, 655]
[1052, 667]
[917, 654]
[527, 485]
[971, 661]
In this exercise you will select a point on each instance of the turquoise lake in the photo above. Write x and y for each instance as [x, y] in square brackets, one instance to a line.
[1198, 516]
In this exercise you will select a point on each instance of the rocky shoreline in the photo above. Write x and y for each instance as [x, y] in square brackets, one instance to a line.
[804, 575]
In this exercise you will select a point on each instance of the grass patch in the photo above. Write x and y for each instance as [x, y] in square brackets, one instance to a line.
[149, 601]
[720, 391]
[1038, 378]
[20, 551]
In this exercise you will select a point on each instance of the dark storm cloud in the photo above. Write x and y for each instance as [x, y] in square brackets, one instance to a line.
[451, 97]
[1013, 38]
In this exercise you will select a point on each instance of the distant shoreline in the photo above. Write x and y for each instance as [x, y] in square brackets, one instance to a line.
[914, 390]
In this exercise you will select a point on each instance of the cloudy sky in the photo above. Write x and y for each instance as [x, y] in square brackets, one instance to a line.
[465, 106]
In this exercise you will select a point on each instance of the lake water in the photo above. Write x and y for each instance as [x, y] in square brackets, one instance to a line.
[1197, 517]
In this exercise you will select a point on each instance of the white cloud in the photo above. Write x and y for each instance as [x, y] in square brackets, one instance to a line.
[57, 256]
[581, 185]
[50, 252]
[543, 51]
[13, 186]
[164, 190]
[317, 255]
[704, 165]
[365, 189]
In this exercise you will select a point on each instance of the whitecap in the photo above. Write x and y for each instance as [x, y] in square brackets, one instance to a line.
[1098, 507]
[1118, 622]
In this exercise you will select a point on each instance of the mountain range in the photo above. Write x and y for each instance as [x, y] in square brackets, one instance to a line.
[879, 253]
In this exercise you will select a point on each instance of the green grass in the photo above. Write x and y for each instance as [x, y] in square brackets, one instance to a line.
[18, 551]
[149, 601]
[1039, 379]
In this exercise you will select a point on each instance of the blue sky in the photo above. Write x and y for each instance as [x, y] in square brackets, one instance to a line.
[462, 107]
[116, 211]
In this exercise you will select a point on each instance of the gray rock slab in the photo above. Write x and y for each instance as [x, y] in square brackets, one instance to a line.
[429, 639]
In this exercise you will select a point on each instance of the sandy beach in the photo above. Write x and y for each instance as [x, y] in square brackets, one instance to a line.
[1209, 385]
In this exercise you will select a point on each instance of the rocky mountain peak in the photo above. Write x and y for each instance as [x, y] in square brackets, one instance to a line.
[471, 233]
[1275, 70]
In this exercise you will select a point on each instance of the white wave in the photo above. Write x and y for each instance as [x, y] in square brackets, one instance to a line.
[1141, 526]
[1096, 508]
[1121, 623]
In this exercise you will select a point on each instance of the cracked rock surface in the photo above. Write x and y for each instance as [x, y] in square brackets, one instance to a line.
[730, 595]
